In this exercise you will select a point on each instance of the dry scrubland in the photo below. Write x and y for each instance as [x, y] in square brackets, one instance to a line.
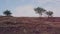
[29, 25]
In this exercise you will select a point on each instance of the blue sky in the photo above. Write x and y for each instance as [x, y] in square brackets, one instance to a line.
[26, 7]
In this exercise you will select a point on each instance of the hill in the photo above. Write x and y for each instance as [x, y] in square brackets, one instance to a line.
[29, 25]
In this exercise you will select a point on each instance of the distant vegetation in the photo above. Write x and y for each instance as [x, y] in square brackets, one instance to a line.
[7, 13]
[49, 13]
[40, 11]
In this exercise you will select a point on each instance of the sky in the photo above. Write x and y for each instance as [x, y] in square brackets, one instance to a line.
[25, 8]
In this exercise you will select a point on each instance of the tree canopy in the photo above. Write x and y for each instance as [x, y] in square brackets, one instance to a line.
[39, 10]
[7, 13]
[49, 13]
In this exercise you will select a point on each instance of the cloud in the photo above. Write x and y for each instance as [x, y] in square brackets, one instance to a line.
[27, 10]
[53, 5]
[42, 1]
[24, 11]
[45, 1]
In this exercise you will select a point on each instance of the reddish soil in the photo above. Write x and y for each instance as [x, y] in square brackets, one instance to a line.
[29, 25]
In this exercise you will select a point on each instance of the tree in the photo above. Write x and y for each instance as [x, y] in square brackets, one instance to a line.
[49, 13]
[7, 13]
[39, 10]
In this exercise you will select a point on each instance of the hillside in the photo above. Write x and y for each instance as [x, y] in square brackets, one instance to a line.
[29, 25]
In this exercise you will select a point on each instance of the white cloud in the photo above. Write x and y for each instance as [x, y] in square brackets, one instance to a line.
[45, 1]
[42, 1]
[53, 5]
[27, 10]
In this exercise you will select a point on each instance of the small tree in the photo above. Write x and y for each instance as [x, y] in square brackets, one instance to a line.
[7, 13]
[49, 13]
[39, 10]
